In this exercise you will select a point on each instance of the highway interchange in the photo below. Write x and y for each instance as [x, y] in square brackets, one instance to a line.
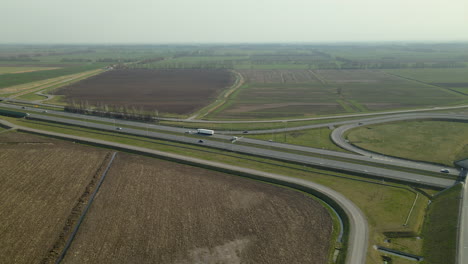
[325, 159]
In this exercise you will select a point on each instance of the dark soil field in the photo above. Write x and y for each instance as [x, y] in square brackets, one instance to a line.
[167, 91]
[153, 211]
[41, 180]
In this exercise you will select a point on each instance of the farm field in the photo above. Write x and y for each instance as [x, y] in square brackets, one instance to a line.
[11, 70]
[8, 80]
[452, 79]
[164, 91]
[42, 180]
[165, 213]
[454, 75]
[18, 90]
[433, 141]
[305, 93]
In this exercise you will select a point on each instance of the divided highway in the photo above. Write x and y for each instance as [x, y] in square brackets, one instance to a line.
[349, 167]
[84, 121]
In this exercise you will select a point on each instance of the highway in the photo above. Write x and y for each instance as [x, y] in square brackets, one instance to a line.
[358, 231]
[276, 151]
[84, 121]
[343, 166]
[337, 137]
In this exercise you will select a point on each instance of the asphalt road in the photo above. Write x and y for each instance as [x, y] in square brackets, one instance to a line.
[358, 233]
[261, 143]
[337, 137]
[268, 153]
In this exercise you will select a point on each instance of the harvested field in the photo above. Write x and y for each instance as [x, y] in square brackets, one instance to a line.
[356, 76]
[168, 91]
[41, 182]
[153, 211]
[279, 76]
[306, 93]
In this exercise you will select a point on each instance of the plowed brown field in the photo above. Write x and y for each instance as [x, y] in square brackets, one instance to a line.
[170, 91]
[41, 180]
[153, 211]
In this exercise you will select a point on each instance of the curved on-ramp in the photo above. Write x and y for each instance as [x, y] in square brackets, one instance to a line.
[357, 223]
[337, 136]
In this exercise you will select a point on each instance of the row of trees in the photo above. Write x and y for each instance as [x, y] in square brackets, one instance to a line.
[127, 112]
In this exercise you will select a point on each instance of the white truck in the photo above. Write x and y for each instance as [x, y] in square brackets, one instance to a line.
[205, 131]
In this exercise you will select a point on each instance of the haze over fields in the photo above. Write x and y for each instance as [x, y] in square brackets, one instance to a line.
[221, 21]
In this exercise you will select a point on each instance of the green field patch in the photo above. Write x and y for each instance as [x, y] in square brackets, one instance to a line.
[4, 70]
[461, 90]
[7, 80]
[433, 141]
[32, 97]
[450, 75]
[316, 138]
[442, 219]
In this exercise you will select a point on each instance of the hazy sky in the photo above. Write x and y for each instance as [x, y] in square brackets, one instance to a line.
[188, 21]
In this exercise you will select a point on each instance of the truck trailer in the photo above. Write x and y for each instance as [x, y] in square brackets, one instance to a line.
[205, 131]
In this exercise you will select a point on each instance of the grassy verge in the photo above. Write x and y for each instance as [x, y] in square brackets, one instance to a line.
[316, 138]
[433, 141]
[57, 100]
[442, 220]
[8, 80]
[385, 205]
[32, 97]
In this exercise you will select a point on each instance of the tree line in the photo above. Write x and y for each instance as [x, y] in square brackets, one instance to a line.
[127, 112]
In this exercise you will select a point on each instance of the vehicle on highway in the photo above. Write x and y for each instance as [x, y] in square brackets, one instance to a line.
[445, 170]
[205, 131]
[118, 128]
[23, 107]
[245, 132]
[45, 111]
[200, 141]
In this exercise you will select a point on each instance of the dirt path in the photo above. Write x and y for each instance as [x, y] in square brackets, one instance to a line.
[221, 100]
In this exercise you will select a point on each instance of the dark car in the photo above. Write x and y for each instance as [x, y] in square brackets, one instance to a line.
[200, 141]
